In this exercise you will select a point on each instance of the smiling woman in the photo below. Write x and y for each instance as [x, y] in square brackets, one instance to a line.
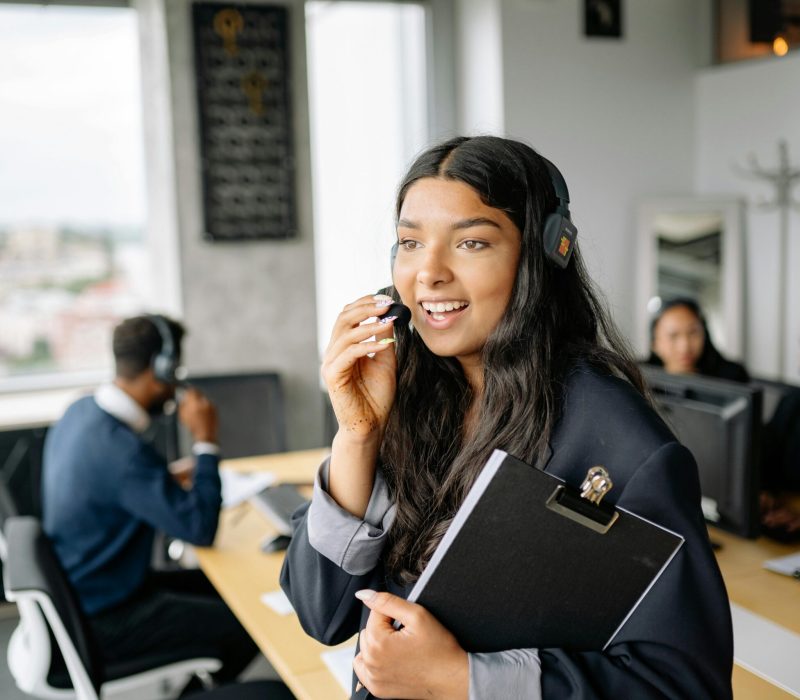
[455, 268]
[512, 349]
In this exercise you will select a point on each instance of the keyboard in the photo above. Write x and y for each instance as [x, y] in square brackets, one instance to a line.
[277, 503]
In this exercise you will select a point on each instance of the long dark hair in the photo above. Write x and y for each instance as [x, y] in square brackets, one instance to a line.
[554, 319]
[711, 361]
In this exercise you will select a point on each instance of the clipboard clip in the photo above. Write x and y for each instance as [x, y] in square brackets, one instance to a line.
[586, 507]
[596, 484]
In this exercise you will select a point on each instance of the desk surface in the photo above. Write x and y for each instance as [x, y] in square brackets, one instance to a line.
[242, 573]
[749, 584]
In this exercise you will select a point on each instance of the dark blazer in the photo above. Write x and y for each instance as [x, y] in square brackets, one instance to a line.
[679, 641]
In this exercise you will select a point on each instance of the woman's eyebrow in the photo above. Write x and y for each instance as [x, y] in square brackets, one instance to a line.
[475, 221]
[459, 225]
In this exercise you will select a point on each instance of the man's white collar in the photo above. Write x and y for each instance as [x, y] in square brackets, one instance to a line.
[122, 406]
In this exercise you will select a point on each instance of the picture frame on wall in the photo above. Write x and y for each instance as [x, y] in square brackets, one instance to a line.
[602, 18]
[243, 81]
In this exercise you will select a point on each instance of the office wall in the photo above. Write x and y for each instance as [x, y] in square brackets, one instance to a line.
[615, 115]
[742, 110]
[248, 306]
[623, 118]
[479, 67]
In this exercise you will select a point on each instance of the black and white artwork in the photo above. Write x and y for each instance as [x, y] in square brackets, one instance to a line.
[246, 145]
[602, 18]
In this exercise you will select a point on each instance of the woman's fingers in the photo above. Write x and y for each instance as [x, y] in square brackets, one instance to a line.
[359, 311]
[359, 334]
[337, 370]
[358, 372]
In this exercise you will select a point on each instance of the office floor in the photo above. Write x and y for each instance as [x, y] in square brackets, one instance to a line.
[260, 668]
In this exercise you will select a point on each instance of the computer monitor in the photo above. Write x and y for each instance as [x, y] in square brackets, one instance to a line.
[720, 422]
[250, 409]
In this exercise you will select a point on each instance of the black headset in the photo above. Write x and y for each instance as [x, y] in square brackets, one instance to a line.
[165, 362]
[559, 232]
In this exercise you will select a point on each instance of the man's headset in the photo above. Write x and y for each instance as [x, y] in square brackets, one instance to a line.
[559, 232]
[166, 363]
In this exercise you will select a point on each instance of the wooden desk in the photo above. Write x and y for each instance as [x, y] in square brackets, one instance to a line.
[749, 584]
[772, 596]
[242, 573]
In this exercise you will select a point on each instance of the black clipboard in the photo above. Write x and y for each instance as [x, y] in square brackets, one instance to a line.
[530, 561]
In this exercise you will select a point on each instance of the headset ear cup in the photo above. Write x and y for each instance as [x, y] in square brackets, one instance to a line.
[164, 369]
[551, 227]
[165, 362]
[158, 367]
[559, 239]
[558, 232]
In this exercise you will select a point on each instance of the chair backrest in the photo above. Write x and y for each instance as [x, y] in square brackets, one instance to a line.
[8, 509]
[251, 412]
[33, 573]
[8, 504]
[21, 466]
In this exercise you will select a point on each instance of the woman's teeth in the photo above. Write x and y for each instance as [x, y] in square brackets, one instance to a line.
[438, 309]
[442, 306]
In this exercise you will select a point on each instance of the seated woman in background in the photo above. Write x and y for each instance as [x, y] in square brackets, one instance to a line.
[681, 344]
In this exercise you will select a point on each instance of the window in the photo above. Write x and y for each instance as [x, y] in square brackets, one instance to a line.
[73, 260]
[367, 73]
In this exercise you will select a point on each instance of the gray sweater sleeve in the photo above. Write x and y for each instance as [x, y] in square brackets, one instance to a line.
[355, 545]
[505, 674]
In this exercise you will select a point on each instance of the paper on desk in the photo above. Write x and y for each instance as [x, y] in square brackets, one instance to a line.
[239, 486]
[278, 601]
[340, 664]
[784, 565]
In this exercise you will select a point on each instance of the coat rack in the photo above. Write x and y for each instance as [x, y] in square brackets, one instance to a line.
[782, 179]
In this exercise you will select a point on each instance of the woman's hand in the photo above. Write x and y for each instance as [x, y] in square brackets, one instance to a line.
[420, 660]
[361, 381]
[361, 387]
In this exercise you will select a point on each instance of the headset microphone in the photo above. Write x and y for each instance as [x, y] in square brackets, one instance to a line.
[402, 312]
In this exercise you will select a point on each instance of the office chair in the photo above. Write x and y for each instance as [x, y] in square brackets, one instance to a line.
[49, 611]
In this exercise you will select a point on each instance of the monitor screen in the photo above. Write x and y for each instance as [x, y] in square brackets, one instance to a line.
[720, 423]
[250, 410]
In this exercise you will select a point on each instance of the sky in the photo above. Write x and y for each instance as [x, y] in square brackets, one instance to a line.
[70, 125]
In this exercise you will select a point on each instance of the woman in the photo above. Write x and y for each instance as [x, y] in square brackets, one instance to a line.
[681, 343]
[511, 351]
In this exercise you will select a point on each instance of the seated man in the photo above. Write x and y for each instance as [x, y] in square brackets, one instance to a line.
[105, 492]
